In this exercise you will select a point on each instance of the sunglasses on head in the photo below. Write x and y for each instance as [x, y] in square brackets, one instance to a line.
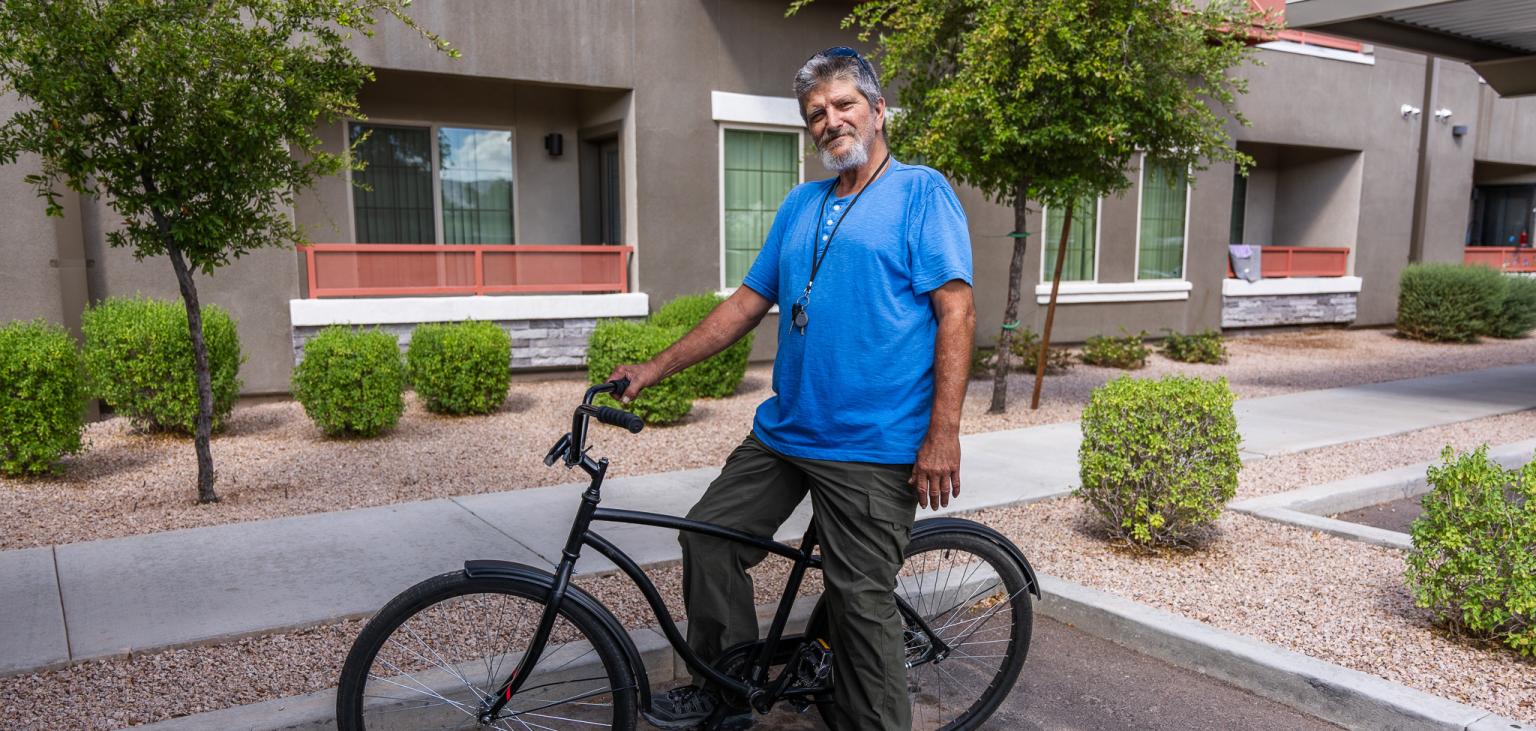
[846, 52]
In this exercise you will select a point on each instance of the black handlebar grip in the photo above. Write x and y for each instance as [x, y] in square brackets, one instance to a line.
[619, 387]
[615, 417]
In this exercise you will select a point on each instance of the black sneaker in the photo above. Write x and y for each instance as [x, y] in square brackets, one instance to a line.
[688, 706]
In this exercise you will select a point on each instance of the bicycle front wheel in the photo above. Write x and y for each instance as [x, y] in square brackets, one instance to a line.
[435, 655]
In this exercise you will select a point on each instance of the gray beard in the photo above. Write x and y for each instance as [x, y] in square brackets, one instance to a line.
[853, 158]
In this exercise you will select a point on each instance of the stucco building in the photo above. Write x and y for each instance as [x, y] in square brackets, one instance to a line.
[592, 158]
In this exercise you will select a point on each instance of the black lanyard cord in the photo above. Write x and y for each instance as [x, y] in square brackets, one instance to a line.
[817, 259]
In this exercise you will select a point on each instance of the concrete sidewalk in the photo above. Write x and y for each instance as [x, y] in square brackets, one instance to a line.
[102, 598]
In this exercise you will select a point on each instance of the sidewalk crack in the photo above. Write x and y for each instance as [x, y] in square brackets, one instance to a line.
[58, 585]
[498, 529]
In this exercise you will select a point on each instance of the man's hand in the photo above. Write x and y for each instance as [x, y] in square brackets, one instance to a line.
[641, 376]
[936, 474]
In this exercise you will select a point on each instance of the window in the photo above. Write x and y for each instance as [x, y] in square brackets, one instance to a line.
[1164, 207]
[759, 170]
[1082, 240]
[1239, 207]
[469, 202]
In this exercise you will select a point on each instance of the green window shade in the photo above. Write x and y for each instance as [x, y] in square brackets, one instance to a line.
[1078, 266]
[1164, 194]
[477, 185]
[760, 168]
[396, 205]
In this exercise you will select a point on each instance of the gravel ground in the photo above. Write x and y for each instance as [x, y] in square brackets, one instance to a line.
[273, 462]
[1333, 599]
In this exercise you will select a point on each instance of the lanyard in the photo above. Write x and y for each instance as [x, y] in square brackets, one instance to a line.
[817, 259]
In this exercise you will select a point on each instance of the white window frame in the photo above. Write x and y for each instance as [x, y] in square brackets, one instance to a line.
[799, 133]
[1098, 232]
[1141, 187]
[437, 170]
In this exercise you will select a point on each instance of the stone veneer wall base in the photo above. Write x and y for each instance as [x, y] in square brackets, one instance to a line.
[1287, 309]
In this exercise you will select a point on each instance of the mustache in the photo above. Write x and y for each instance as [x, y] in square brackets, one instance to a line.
[832, 136]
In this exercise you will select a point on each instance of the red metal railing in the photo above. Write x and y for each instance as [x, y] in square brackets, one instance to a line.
[1276, 9]
[374, 270]
[1301, 261]
[1502, 258]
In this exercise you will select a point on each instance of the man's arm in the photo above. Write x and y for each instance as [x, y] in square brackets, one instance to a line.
[733, 318]
[936, 474]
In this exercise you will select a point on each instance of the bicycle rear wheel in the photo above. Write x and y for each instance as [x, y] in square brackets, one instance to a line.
[433, 656]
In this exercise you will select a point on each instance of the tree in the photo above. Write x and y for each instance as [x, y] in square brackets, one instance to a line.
[194, 119]
[1050, 100]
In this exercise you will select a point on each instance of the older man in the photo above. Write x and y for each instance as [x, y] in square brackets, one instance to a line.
[871, 271]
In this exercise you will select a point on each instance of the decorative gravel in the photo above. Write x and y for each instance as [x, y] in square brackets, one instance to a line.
[272, 462]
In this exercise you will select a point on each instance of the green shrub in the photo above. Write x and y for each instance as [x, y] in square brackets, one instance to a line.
[351, 382]
[1473, 562]
[615, 342]
[720, 374]
[460, 368]
[982, 362]
[1126, 352]
[42, 397]
[1517, 311]
[1449, 302]
[1205, 346]
[1159, 458]
[1026, 352]
[139, 360]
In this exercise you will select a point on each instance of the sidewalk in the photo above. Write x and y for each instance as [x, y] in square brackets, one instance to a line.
[102, 598]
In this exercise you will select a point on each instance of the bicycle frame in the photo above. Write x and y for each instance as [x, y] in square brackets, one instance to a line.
[758, 690]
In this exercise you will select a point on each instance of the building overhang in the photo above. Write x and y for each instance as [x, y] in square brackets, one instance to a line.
[1496, 37]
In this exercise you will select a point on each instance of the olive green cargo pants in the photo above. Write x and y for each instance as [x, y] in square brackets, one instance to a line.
[864, 516]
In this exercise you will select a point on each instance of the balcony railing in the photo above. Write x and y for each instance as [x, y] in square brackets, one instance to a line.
[1502, 258]
[383, 270]
[1301, 261]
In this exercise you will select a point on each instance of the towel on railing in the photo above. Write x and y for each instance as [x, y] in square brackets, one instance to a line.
[1245, 261]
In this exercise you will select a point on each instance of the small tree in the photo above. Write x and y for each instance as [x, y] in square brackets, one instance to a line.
[194, 119]
[1049, 100]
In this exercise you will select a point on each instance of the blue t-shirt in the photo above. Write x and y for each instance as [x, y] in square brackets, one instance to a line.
[858, 385]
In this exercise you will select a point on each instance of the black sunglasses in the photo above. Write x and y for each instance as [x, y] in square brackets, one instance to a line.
[846, 52]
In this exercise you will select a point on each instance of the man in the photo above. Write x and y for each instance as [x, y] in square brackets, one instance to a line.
[871, 271]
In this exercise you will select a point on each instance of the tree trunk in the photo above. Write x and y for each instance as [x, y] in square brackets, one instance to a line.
[1050, 309]
[1011, 310]
[204, 427]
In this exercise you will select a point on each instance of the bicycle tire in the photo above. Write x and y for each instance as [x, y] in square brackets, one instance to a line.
[942, 584]
[423, 678]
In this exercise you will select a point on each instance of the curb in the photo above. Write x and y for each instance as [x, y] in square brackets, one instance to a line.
[1331, 692]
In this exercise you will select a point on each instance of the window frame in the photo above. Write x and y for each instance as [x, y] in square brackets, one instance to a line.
[1098, 233]
[1141, 188]
[437, 170]
[799, 133]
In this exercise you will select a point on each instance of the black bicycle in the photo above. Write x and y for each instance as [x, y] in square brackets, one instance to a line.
[501, 645]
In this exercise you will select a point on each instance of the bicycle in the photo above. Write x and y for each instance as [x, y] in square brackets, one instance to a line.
[502, 645]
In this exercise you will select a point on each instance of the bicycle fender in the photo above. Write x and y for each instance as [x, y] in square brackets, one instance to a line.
[961, 525]
[540, 577]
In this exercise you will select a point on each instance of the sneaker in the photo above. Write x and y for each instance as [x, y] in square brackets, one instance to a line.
[688, 706]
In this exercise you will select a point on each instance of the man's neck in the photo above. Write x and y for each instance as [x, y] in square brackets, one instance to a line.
[854, 180]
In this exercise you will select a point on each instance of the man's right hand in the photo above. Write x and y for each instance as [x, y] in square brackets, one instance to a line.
[641, 376]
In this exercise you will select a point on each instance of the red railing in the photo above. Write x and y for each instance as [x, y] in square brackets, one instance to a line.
[1300, 261]
[1276, 9]
[374, 270]
[1502, 258]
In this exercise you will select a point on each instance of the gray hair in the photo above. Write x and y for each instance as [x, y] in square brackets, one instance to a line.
[821, 69]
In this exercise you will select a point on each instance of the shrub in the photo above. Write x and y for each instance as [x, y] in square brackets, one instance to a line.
[1126, 352]
[1026, 349]
[720, 374]
[1205, 346]
[139, 360]
[42, 397]
[982, 362]
[351, 382]
[615, 342]
[1473, 562]
[1517, 311]
[460, 368]
[1449, 302]
[1159, 457]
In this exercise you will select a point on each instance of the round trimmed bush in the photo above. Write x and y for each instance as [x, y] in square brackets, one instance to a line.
[720, 374]
[1159, 458]
[139, 360]
[1473, 562]
[42, 397]
[460, 368]
[1517, 312]
[616, 342]
[351, 382]
[1449, 302]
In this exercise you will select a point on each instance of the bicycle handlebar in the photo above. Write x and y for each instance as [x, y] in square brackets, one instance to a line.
[617, 417]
